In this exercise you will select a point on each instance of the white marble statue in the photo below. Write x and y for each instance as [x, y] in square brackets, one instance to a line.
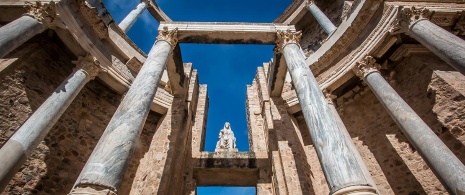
[227, 140]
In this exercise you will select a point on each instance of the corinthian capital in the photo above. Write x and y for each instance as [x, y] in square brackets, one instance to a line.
[45, 13]
[170, 36]
[286, 37]
[408, 16]
[89, 64]
[366, 66]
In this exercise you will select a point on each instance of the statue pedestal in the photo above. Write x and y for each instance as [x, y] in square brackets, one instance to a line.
[226, 150]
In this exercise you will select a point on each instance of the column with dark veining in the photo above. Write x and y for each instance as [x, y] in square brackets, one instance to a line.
[444, 44]
[103, 172]
[21, 145]
[38, 18]
[445, 165]
[321, 18]
[132, 17]
[337, 155]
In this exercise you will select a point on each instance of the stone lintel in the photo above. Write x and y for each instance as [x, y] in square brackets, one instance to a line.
[406, 50]
[277, 75]
[175, 70]
[157, 13]
[228, 168]
[226, 33]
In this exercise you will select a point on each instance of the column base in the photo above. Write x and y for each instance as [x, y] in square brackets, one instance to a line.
[357, 190]
[92, 190]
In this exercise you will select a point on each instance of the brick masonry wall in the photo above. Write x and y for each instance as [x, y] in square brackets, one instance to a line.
[425, 83]
[41, 65]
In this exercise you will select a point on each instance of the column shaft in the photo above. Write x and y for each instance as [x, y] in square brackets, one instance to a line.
[20, 146]
[132, 17]
[444, 44]
[111, 156]
[447, 167]
[321, 18]
[17, 32]
[337, 157]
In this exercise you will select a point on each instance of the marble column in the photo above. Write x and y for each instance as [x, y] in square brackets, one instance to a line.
[444, 44]
[105, 168]
[38, 18]
[343, 171]
[321, 18]
[445, 165]
[21, 145]
[132, 17]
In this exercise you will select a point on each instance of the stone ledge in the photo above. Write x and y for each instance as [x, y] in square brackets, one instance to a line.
[226, 33]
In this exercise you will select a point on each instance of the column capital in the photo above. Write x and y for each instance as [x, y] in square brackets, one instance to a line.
[45, 13]
[408, 16]
[366, 66]
[170, 36]
[284, 38]
[89, 64]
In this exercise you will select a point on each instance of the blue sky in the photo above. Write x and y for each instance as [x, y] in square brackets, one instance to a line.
[226, 69]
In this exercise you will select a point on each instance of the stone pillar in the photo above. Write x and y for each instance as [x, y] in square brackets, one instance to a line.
[38, 18]
[105, 168]
[21, 145]
[321, 18]
[131, 18]
[444, 44]
[343, 171]
[445, 165]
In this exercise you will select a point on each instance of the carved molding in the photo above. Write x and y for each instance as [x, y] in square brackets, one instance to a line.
[366, 66]
[408, 16]
[170, 36]
[329, 96]
[286, 37]
[89, 64]
[91, 15]
[134, 64]
[45, 13]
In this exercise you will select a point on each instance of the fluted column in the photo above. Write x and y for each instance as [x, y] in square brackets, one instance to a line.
[20, 146]
[38, 18]
[132, 17]
[444, 44]
[445, 165]
[321, 18]
[105, 168]
[343, 171]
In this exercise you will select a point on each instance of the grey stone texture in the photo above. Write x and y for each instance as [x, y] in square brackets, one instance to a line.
[442, 161]
[322, 19]
[132, 17]
[340, 165]
[17, 32]
[111, 156]
[444, 44]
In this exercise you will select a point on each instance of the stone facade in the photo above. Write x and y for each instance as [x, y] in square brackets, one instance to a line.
[286, 156]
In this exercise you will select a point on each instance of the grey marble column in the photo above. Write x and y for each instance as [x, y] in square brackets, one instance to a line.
[35, 21]
[321, 18]
[444, 44]
[20, 146]
[132, 17]
[343, 171]
[109, 160]
[445, 165]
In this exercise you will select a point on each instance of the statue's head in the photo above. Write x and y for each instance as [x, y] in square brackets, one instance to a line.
[227, 125]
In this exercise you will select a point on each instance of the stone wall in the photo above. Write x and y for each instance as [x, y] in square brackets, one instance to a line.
[425, 83]
[32, 73]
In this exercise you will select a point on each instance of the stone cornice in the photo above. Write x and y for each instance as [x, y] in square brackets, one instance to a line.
[286, 37]
[366, 66]
[45, 13]
[170, 36]
[91, 15]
